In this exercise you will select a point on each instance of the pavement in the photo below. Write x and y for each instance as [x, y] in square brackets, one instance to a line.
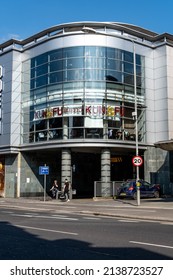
[160, 209]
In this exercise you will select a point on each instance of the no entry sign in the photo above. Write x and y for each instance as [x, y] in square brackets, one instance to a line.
[137, 161]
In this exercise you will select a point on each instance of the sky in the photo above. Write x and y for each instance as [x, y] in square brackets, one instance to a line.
[23, 18]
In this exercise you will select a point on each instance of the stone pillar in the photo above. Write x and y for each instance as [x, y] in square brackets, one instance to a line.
[65, 128]
[18, 174]
[105, 172]
[105, 129]
[65, 166]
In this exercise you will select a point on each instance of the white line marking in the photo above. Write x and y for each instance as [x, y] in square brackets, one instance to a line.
[50, 230]
[167, 223]
[7, 212]
[45, 217]
[22, 215]
[90, 218]
[128, 221]
[150, 244]
[61, 216]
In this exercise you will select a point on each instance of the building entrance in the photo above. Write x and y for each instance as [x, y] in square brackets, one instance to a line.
[123, 169]
[86, 168]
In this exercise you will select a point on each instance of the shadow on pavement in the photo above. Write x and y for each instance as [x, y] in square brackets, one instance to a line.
[18, 244]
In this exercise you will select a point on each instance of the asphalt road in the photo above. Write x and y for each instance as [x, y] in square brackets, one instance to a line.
[63, 234]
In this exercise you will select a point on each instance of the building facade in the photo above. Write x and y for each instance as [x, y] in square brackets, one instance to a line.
[68, 97]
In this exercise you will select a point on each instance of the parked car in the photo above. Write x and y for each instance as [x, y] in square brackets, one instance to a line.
[128, 189]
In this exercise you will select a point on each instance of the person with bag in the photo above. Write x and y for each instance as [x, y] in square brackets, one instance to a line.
[54, 189]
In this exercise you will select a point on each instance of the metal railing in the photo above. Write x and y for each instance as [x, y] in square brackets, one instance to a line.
[106, 189]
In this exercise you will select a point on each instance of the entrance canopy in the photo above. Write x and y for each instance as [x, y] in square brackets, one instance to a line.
[165, 145]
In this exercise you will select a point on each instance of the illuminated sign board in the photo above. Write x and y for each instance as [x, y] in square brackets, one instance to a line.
[92, 111]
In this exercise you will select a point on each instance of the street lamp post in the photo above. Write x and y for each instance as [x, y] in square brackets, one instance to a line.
[136, 123]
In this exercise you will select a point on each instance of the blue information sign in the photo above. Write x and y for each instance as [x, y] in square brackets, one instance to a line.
[43, 170]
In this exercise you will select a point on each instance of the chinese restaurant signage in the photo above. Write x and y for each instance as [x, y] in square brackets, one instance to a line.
[93, 111]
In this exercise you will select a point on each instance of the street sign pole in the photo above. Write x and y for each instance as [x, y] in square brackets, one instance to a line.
[44, 170]
[137, 161]
[44, 186]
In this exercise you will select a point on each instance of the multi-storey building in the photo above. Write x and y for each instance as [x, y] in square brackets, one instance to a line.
[68, 97]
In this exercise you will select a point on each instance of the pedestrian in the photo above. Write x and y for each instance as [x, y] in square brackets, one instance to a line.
[66, 189]
[54, 189]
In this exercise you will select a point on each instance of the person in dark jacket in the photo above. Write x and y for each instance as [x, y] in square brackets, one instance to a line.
[67, 189]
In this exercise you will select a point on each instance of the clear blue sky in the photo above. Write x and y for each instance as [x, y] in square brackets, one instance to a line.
[23, 18]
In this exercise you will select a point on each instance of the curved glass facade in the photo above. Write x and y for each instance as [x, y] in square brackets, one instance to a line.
[82, 92]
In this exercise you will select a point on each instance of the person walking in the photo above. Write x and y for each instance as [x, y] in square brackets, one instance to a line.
[67, 189]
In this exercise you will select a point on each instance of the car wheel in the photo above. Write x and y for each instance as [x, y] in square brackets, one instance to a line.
[156, 194]
[135, 196]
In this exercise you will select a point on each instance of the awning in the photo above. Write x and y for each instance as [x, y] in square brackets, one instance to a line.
[165, 145]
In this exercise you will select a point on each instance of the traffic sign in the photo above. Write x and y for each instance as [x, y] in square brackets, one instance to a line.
[137, 161]
[43, 170]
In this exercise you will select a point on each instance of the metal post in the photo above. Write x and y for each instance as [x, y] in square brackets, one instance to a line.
[136, 123]
[44, 186]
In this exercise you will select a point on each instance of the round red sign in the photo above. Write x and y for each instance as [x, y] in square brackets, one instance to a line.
[137, 161]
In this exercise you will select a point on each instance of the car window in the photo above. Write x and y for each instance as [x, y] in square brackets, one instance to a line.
[146, 184]
[127, 184]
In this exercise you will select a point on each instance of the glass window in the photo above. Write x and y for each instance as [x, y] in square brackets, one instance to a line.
[56, 77]
[128, 67]
[55, 65]
[114, 64]
[73, 75]
[41, 81]
[128, 56]
[128, 79]
[41, 59]
[138, 59]
[95, 75]
[73, 52]
[55, 55]
[73, 63]
[41, 70]
[114, 53]
[113, 76]
[90, 51]
[95, 51]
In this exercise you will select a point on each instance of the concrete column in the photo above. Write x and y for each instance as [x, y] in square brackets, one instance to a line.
[18, 174]
[105, 165]
[105, 172]
[105, 129]
[65, 166]
[65, 128]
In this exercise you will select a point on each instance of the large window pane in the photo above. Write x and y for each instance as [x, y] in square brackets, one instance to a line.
[73, 63]
[55, 65]
[55, 77]
[55, 55]
[73, 52]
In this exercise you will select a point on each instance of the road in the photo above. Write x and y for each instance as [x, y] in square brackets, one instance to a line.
[60, 233]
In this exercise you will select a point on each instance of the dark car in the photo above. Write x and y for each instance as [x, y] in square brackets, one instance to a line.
[128, 189]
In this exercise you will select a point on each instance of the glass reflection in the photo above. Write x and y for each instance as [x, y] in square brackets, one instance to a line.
[79, 92]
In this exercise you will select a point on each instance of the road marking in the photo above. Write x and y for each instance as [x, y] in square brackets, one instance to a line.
[61, 216]
[151, 244]
[128, 221]
[45, 229]
[7, 212]
[90, 218]
[167, 223]
[45, 217]
[22, 215]
[140, 210]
